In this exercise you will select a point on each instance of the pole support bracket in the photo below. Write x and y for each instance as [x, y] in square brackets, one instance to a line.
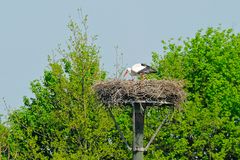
[139, 149]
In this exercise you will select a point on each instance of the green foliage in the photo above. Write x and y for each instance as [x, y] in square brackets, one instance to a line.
[4, 147]
[63, 120]
[208, 128]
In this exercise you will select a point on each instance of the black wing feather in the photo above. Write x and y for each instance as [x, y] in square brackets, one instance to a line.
[143, 64]
[147, 69]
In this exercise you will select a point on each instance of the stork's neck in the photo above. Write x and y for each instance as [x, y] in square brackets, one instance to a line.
[129, 70]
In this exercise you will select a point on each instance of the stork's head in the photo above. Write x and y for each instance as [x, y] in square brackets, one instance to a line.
[128, 70]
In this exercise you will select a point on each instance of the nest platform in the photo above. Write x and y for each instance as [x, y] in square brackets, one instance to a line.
[149, 92]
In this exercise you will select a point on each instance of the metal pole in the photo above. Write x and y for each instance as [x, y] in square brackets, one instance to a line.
[138, 128]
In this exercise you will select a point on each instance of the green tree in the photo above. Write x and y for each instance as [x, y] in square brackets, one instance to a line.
[208, 127]
[4, 147]
[63, 120]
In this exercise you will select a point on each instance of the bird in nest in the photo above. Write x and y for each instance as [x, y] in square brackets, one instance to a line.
[139, 69]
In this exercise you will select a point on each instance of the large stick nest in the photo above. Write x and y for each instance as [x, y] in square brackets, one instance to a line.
[120, 92]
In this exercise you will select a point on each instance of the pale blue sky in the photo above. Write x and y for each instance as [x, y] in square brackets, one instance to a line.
[30, 30]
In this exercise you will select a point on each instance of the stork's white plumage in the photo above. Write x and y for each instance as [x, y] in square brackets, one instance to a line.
[139, 69]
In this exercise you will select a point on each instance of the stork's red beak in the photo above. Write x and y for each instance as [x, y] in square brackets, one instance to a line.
[126, 72]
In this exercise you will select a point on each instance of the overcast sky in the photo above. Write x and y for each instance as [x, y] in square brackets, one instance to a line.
[30, 30]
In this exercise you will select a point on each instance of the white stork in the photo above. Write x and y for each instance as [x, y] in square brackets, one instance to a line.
[139, 69]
